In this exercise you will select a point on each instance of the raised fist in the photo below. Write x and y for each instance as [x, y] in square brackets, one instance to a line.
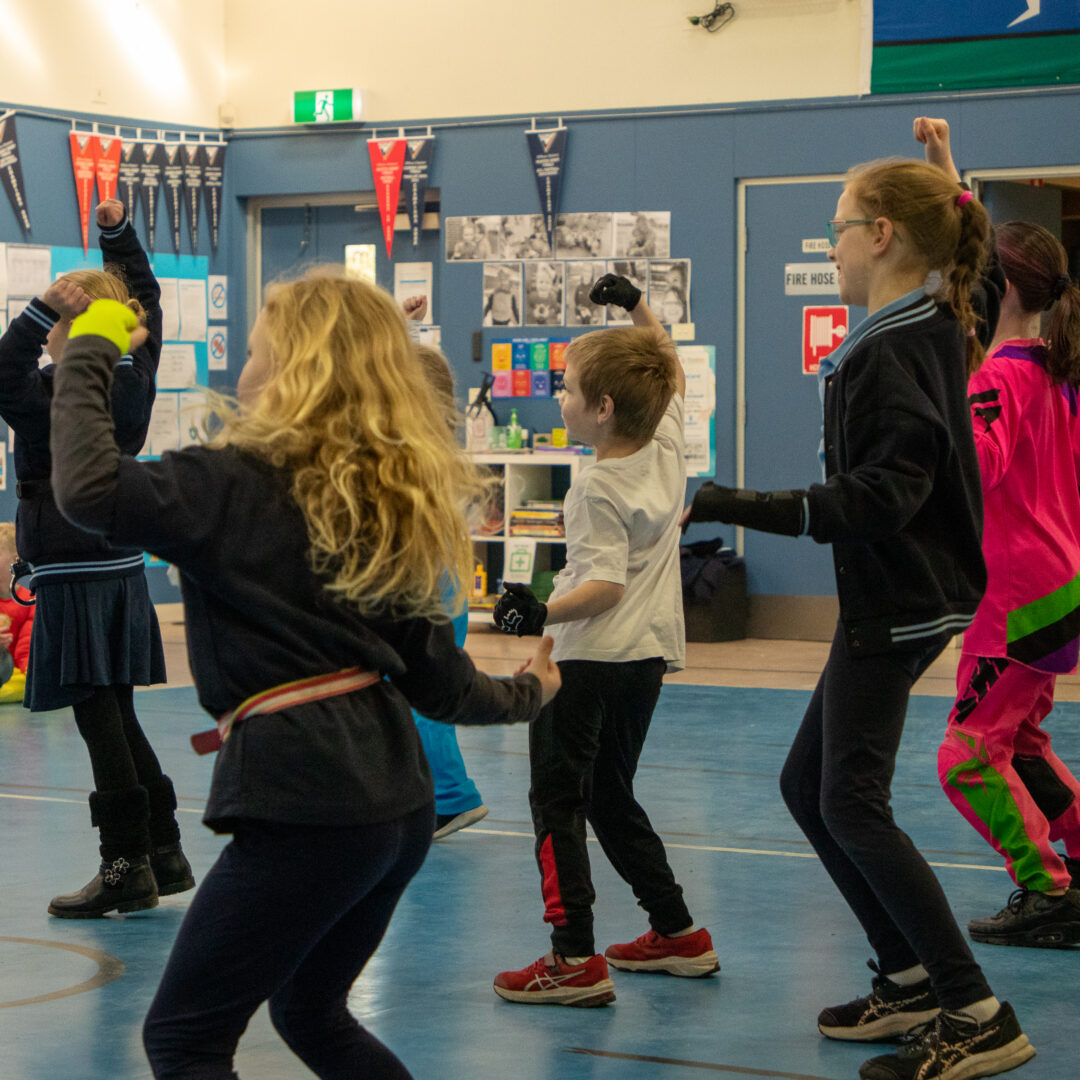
[110, 213]
[65, 298]
[613, 289]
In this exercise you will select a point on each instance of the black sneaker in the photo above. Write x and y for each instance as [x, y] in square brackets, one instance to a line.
[1034, 919]
[956, 1047]
[1073, 866]
[886, 1012]
[445, 824]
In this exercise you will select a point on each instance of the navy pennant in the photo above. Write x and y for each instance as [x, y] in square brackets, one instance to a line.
[418, 155]
[548, 152]
[11, 171]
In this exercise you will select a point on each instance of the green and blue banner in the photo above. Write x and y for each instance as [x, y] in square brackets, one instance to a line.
[974, 44]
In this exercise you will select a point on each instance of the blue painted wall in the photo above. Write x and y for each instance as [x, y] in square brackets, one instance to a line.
[686, 161]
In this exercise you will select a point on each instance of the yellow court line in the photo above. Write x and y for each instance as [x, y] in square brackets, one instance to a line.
[78, 802]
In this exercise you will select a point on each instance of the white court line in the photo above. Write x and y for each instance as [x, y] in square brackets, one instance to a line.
[473, 831]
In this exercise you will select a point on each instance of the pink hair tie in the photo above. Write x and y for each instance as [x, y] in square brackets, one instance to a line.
[964, 197]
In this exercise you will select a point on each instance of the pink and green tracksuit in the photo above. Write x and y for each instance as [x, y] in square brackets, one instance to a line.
[995, 763]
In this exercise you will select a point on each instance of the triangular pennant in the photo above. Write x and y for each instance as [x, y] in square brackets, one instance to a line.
[150, 168]
[548, 152]
[387, 164]
[213, 180]
[128, 178]
[84, 151]
[172, 173]
[11, 171]
[417, 164]
[107, 167]
[193, 161]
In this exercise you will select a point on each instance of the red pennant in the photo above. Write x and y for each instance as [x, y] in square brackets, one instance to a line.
[387, 165]
[107, 167]
[84, 151]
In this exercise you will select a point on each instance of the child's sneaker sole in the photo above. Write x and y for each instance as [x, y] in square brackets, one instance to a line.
[993, 1062]
[690, 967]
[880, 1030]
[582, 997]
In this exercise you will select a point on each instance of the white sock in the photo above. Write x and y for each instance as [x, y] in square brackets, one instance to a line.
[982, 1010]
[575, 960]
[909, 976]
[683, 933]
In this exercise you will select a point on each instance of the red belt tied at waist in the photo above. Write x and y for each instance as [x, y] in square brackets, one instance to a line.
[281, 697]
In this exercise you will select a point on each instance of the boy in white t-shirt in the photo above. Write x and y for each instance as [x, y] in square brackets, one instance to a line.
[617, 620]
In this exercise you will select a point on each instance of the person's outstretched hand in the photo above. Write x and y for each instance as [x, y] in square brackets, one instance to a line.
[544, 668]
[110, 212]
[65, 298]
[414, 307]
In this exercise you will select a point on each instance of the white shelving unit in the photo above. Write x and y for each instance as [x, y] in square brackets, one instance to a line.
[525, 475]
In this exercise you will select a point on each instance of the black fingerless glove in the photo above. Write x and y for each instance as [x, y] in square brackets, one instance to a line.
[517, 611]
[780, 512]
[612, 289]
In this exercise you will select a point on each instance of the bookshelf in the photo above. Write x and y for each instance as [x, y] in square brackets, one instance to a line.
[526, 476]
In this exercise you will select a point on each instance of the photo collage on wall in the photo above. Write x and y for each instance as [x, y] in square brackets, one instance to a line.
[526, 284]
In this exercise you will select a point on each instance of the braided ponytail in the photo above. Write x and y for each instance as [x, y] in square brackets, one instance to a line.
[968, 263]
[1036, 266]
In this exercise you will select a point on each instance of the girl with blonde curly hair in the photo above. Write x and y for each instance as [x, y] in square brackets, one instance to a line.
[314, 538]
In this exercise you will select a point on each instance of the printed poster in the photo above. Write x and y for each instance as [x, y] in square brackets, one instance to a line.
[217, 297]
[699, 366]
[11, 170]
[548, 152]
[387, 166]
[418, 154]
[415, 279]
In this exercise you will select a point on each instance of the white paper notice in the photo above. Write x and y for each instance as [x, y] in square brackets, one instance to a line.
[29, 269]
[164, 433]
[3, 273]
[16, 307]
[176, 369]
[218, 296]
[192, 410]
[698, 363]
[192, 309]
[520, 559]
[3, 466]
[414, 279]
[217, 348]
[170, 309]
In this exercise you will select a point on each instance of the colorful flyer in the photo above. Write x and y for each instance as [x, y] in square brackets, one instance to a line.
[548, 152]
[151, 168]
[83, 153]
[191, 156]
[387, 165]
[129, 180]
[500, 355]
[418, 155]
[213, 180]
[11, 171]
[107, 166]
[172, 172]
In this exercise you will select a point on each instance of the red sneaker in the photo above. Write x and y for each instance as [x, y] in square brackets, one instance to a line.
[691, 955]
[552, 981]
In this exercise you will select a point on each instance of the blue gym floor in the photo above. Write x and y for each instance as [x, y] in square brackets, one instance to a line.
[73, 994]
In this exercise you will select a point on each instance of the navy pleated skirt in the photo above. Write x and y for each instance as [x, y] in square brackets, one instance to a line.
[89, 634]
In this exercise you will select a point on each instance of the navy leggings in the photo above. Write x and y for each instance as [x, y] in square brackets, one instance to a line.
[289, 914]
[836, 782]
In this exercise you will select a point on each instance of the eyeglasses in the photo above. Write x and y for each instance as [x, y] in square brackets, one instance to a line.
[834, 228]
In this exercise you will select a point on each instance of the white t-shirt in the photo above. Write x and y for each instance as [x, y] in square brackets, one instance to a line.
[622, 525]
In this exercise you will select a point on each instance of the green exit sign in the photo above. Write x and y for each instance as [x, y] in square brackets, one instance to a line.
[326, 106]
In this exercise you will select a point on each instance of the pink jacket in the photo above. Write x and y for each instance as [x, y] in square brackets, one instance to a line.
[1027, 433]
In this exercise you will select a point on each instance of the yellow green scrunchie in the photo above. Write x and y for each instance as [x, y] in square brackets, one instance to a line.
[108, 319]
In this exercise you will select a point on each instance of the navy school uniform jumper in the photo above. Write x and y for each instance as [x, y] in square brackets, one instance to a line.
[902, 507]
[95, 631]
[330, 803]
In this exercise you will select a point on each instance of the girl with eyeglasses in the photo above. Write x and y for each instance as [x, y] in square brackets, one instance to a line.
[901, 505]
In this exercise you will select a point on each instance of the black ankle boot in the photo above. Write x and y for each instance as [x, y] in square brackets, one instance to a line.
[122, 885]
[172, 871]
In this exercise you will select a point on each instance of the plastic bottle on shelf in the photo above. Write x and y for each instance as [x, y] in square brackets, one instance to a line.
[480, 581]
[513, 432]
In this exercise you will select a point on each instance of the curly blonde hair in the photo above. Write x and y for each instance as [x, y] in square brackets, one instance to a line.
[376, 472]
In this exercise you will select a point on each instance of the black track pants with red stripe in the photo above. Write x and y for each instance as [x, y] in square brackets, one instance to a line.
[583, 752]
